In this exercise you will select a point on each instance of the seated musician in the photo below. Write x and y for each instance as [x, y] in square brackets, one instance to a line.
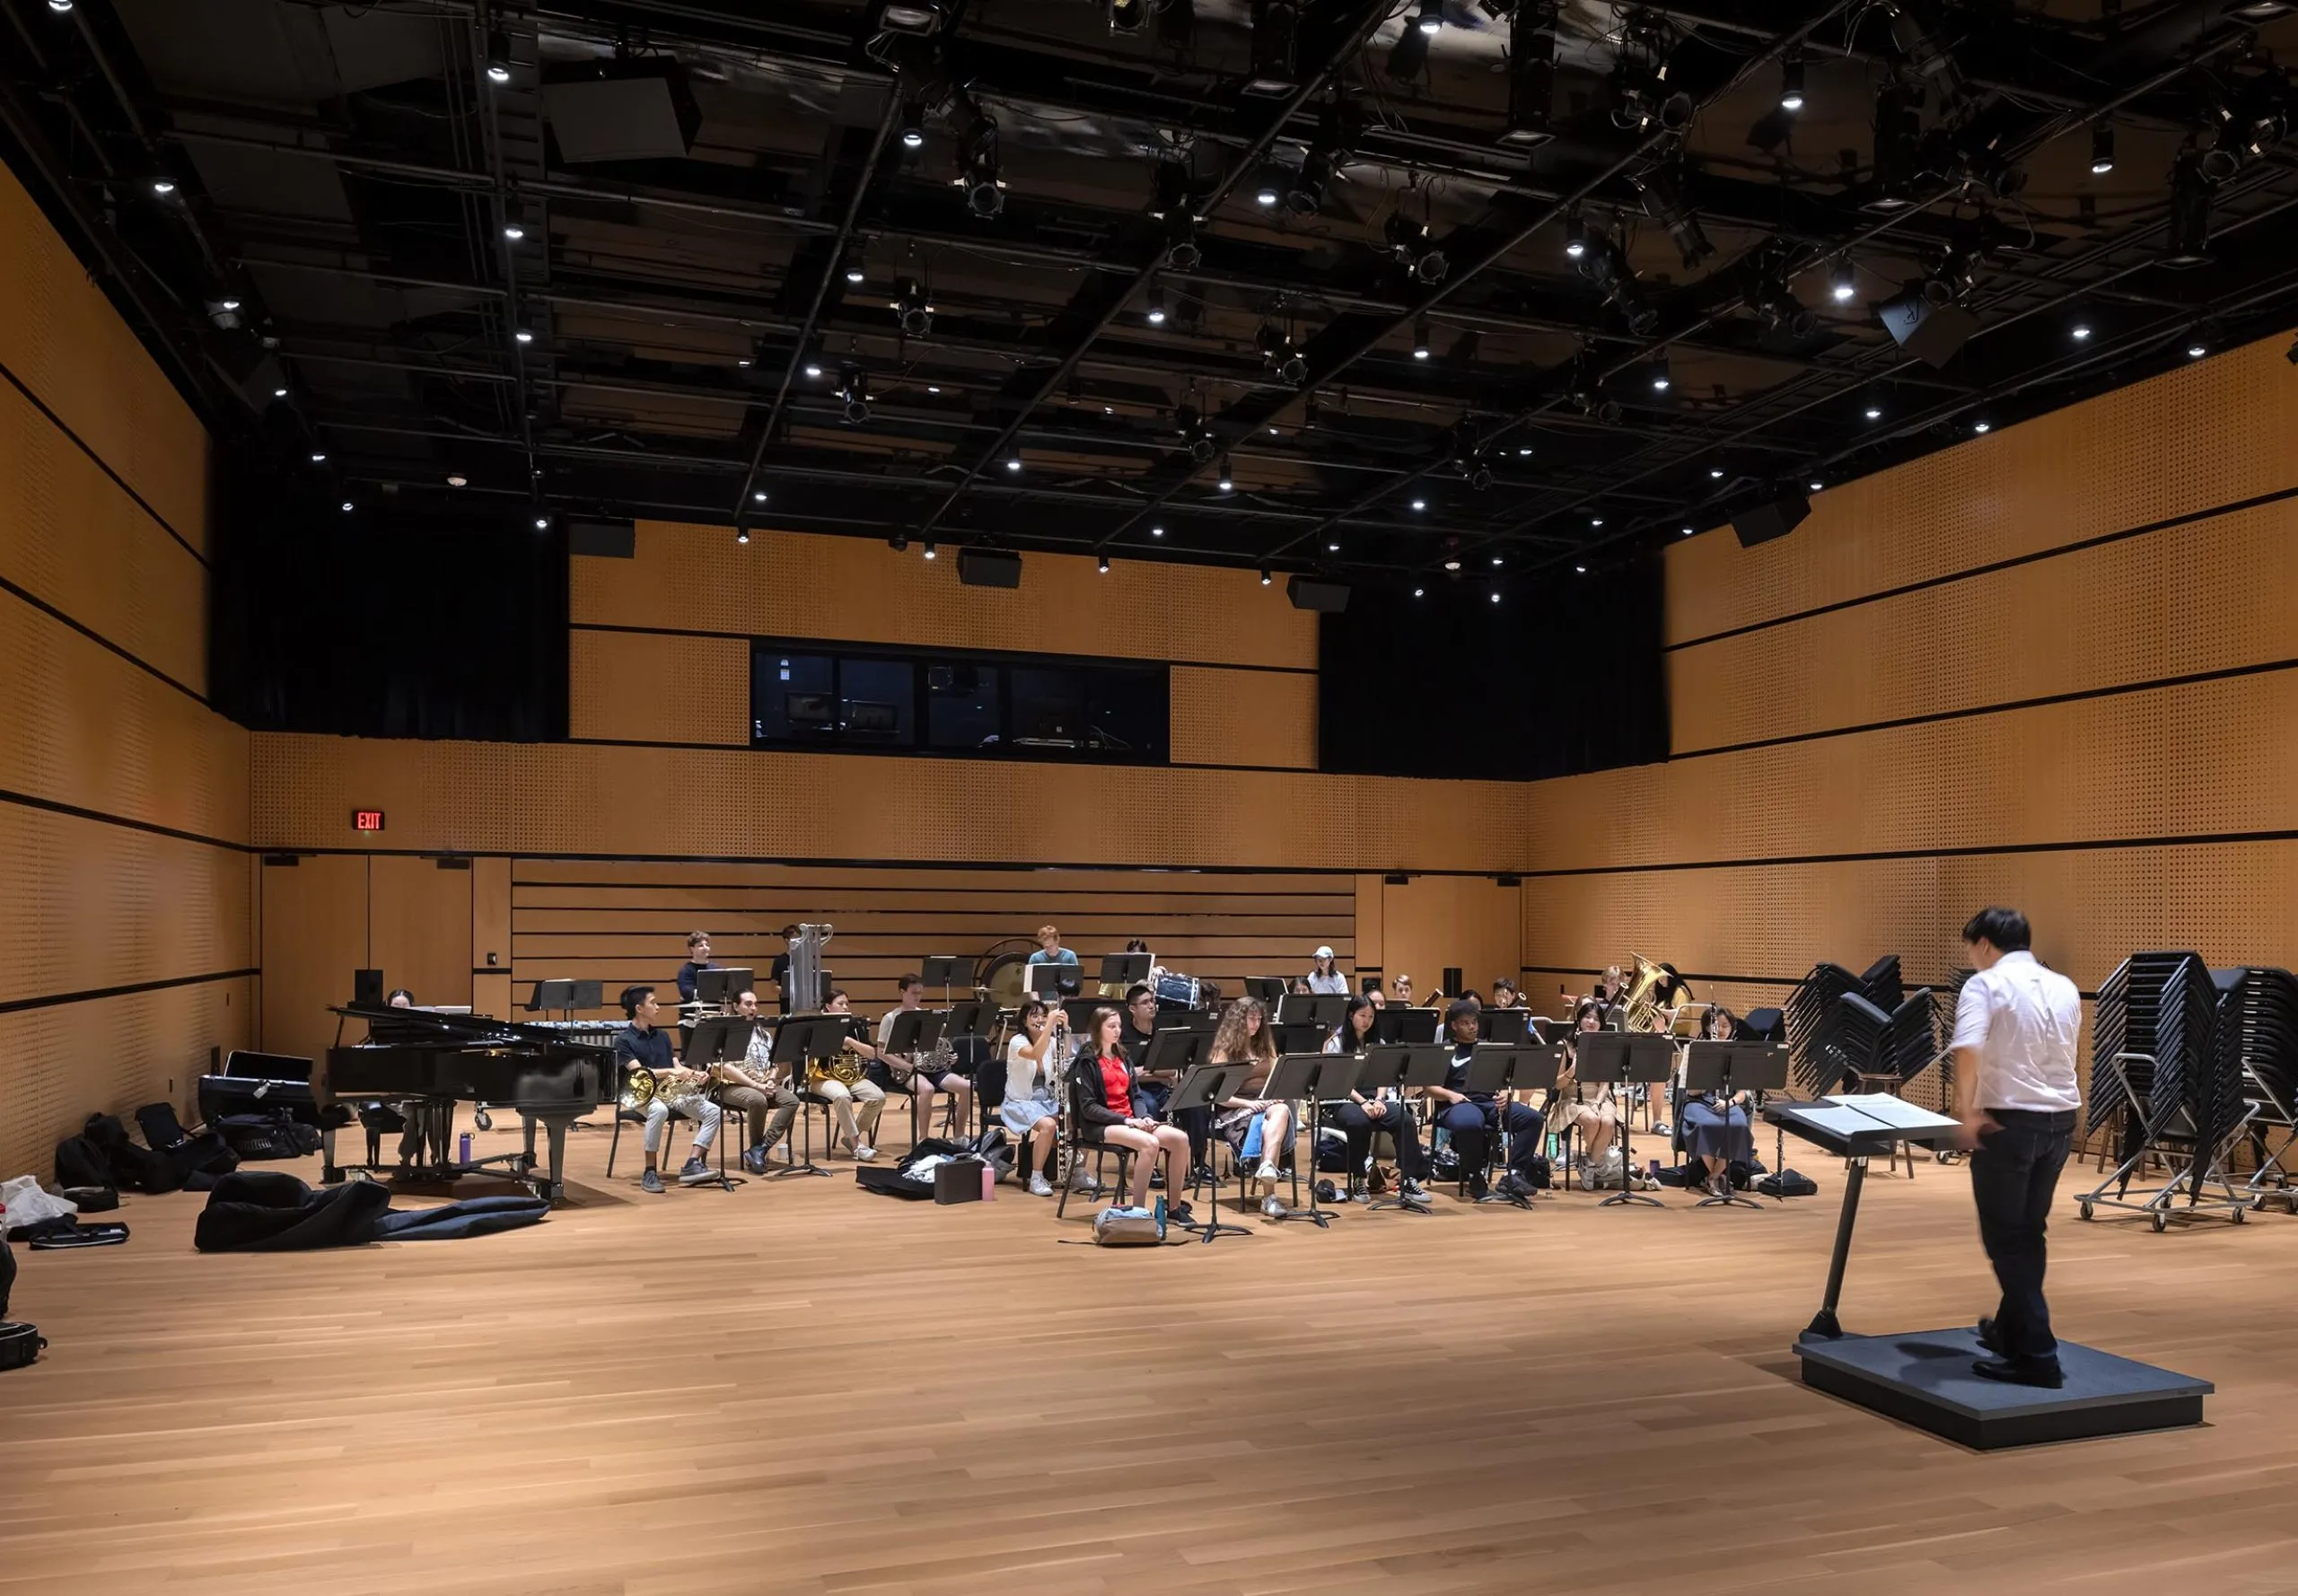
[1258, 1130]
[1051, 951]
[857, 1106]
[759, 1090]
[1374, 994]
[1031, 1110]
[1325, 979]
[779, 971]
[1400, 990]
[919, 1075]
[1597, 1122]
[1504, 995]
[1362, 1118]
[1472, 1119]
[1153, 1090]
[1716, 1133]
[676, 1090]
[697, 960]
[1101, 1088]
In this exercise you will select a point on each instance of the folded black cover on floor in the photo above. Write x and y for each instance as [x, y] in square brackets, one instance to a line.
[269, 1211]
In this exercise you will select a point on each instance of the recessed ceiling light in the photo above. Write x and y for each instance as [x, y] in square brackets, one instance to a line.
[1716, 472]
[812, 370]
[459, 480]
[1451, 565]
[758, 495]
[1978, 426]
[1420, 503]
[1595, 521]
[1156, 532]
[1875, 413]
[1816, 487]
[1582, 570]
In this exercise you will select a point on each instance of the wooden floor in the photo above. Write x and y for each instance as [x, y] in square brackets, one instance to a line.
[802, 1388]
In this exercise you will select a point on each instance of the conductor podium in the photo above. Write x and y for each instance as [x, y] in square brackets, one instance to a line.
[1924, 1377]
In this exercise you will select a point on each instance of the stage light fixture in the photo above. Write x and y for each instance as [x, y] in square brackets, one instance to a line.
[1013, 462]
[918, 18]
[1875, 413]
[1662, 380]
[1130, 16]
[2103, 148]
[1265, 576]
[813, 368]
[1716, 473]
[1105, 565]
[524, 335]
[542, 523]
[1419, 592]
[515, 220]
[758, 495]
[913, 126]
[498, 56]
[1155, 313]
[2187, 239]
[2079, 331]
[1269, 190]
[854, 388]
[2197, 349]
[1411, 247]
[1423, 504]
[977, 163]
[1156, 532]
[1575, 235]
[163, 186]
[1980, 426]
[741, 533]
[347, 506]
[457, 480]
[1276, 43]
[318, 457]
[912, 308]
[1842, 281]
[1431, 20]
[1227, 480]
[1791, 81]
[929, 548]
[1531, 73]
[1420, 338]
[1181, 251]
[59, 6]
[1661, 187]
[855, 272]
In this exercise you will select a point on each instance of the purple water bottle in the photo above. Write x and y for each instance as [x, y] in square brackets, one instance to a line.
[463, 1149]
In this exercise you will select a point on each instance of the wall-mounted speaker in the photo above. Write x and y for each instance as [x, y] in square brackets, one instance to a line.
[1774, 518]
[1326, 598]
[988, 567]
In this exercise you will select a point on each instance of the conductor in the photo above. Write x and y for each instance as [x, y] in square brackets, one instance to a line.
[2015, 1093]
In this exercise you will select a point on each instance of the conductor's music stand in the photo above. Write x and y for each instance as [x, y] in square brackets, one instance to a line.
[1201, 1087]
[1314, 1076]
[1620, 1059]
[712, 1042]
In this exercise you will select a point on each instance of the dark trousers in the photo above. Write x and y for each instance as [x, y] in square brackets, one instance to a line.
[1197, 1124]
[2014, 1178]
[1360, 1129]
[1473, 1125]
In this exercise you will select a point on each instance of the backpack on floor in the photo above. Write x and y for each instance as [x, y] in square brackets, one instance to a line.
[1116, 1227]
[1788, 1183]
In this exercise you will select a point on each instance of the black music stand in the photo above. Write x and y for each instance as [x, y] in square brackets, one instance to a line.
[1761, 1067]
[1171, 1052]
[1044, 980]
[1201, 1087]
[1708, 1069]
[1504, 1067]
[1404, 1067]
[1312, 1076]
[1620, 1059]
[946, 970]
[1080, 1011]
[1265, 988]
[1411, 1027]
[1125, 969]
[1325, 1010]
[551, 996]
[796, 1043]
[721, 987]
[716, 1041]
[916, 1031]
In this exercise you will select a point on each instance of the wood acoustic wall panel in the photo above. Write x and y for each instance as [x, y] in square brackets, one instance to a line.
[92, 906]
[80, 725]
[419, 927]
[490, 913]
[646, 687]
[1244, 718]
[62, 340]
[314, 918]
[2206, 758]
[72, 539]
[795, 584]
[2120, 613]
[1433, 921]
[625, 923]
[59, 1064]
[2206, 433]
[737, 804]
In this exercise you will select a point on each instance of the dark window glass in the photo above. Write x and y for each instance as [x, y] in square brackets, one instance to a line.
[875, 707]
[1126, 712]
[793, 698]
[961, 706]
[1048, 710]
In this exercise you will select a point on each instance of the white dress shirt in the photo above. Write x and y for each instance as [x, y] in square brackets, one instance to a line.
[2022, 1021]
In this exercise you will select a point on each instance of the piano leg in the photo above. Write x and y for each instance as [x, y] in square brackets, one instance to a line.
[553, 1187]
[330, 1172]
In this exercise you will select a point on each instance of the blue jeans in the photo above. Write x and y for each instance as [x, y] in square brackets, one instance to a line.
[2014, 1178]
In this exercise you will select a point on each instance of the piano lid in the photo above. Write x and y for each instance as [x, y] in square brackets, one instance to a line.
[406, 1026]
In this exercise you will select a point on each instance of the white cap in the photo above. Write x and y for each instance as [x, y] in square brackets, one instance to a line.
[1324, 952]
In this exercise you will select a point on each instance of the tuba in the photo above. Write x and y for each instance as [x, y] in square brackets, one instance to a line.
[1640, 1008]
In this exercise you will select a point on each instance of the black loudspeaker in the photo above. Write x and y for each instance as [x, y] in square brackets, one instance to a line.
[1774, 518]
[1326, 598]
[1764, 1025]
[1933, 334]
[603, 539]
[367, 988]
[985, 567]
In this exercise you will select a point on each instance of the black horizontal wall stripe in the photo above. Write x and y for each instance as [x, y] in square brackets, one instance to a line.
[1181, 871]
[1689, 974]
[2263, 667]
[58, 999]
[858, 646]
[2032, 557]
[102, 464]
[101, 641]
[932, 753]
[670, 883]
[30, 802]
[2106, 845]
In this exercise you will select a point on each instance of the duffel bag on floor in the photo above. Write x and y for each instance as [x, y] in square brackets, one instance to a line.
[1128, 1227]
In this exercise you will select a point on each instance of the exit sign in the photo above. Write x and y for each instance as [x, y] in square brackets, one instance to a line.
[366, 819]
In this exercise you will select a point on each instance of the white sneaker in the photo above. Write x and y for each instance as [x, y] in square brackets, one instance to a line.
[1268, 1170]
[865, 1154]
[1040, 1186]
[1271, 1207]
[1085, 1185]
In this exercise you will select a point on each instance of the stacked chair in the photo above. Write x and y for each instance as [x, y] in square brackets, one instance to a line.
[2171, 1047]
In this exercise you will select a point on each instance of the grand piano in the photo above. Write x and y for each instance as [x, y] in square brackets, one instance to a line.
[538, 1072]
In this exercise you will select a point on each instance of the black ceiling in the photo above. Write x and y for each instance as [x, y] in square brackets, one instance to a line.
[345, 173]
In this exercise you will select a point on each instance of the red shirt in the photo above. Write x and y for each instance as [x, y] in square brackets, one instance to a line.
[1116, 1086]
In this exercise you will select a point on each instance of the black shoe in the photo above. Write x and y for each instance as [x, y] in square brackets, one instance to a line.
[2047, 1375]
[1178, 1214]
[1990, 1340]
[1515, 1186]
[1478, 1188]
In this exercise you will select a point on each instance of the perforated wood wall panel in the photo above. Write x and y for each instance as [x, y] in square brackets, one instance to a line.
[2206, 433]
[314, 920]
[1244, 718]
[109, 1056]
[792, 584]
[80, 725]
[1431, 922]
[2212, 595]
[624, 923]
[61, 339]
[92, 906]
[2201, 759]
[541, 800]
[647, 687]
[72, 538]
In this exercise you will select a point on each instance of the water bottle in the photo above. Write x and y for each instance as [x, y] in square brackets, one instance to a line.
[1552, 1147]
[988, 1182]
[1161, 1214]
[462, 1148]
